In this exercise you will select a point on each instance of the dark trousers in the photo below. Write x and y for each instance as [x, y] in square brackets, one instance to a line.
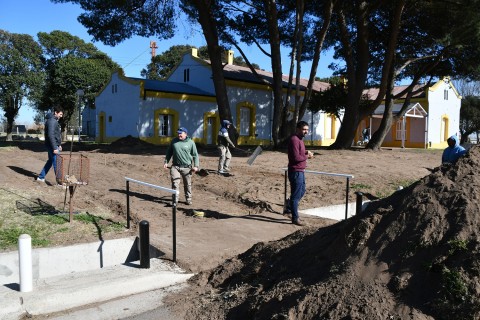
[297, 190]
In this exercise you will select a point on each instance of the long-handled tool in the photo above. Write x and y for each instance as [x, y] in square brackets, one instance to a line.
[254, 155]
[68, 172]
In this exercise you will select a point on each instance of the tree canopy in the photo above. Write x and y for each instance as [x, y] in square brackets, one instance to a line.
[380, 42]
[71, 64]
[383, 42]
[21, 74]
[469, 117]
[114, 21]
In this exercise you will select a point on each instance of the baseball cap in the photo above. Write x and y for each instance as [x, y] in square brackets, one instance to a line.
[182, 129]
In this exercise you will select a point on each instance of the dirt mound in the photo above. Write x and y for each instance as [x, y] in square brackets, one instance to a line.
[413, 255]
[129, 143]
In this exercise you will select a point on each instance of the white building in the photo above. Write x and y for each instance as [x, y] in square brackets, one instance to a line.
[432, 117]
[153, 110]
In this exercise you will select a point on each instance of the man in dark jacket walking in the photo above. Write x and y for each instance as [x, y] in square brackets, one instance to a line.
[53, 141]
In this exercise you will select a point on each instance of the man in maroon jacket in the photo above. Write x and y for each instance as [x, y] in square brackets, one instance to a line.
[297, 162]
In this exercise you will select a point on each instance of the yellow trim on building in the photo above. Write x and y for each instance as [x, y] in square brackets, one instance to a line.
[257, 86]
[444, 125]
[175, 119]
[215, 127]
[179, 96]
[252, 124]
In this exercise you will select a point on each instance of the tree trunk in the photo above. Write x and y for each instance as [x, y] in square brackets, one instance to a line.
[357, 69]
[11, 111]
[9, 128]
[320, 38]
[378, 136]
[276, 70]
[298, 44]
[209, 28]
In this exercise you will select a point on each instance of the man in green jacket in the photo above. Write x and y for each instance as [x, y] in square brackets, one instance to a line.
[185, 162]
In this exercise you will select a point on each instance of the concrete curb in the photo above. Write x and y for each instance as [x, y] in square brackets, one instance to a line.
[78, 289]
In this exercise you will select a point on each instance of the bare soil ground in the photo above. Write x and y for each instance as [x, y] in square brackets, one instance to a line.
[241, 210]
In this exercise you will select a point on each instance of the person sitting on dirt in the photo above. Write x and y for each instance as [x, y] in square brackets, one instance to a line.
[185, 162]
[453, 151]
[223, 146]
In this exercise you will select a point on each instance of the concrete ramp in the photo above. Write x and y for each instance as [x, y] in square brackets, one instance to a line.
[336, 212]
[78, 289]
[70, 277]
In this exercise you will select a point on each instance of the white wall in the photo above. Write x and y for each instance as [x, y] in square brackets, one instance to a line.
[439, 107]
[200, 74]
[122, 106]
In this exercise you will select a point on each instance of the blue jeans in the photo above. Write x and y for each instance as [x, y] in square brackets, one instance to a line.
[52, 160]
[297, 190]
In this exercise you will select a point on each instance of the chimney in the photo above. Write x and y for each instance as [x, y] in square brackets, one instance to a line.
[195, 52]
[230, 57]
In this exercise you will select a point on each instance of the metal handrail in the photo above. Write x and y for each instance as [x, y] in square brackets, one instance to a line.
[347, 176]
[175, 194]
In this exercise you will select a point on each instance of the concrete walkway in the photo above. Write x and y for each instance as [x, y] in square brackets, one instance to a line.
[78, 289]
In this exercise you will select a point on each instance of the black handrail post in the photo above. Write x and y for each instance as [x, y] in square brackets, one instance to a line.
[144, 245]
[285, 205]
[346, 202]
[359, 202]
[174, 226]
[128, 204]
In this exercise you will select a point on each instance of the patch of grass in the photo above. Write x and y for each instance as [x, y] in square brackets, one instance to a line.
[103, 225]
[457, 245]
[9, 237]
[360, 186]
[454, 290]
[54, 219]
[394, 186]
[46, 229]
[402, 183]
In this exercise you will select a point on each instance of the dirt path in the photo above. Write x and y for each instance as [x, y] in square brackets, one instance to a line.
[240, 210]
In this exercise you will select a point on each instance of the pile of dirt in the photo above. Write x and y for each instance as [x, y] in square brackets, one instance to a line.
[413, 255]
[130, 143]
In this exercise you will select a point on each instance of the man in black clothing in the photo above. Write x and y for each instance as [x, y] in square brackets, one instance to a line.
[53, 141]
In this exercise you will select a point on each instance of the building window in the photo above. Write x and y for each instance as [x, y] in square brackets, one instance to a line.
[114, 88]
[165, 122]
[400, 130]
[186, 75]
[445, 94]
[244, 121]
[109, 118]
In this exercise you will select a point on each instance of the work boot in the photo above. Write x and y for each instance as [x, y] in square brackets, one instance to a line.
[298, 223]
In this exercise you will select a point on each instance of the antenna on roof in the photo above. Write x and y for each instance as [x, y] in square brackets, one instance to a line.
[153, 46]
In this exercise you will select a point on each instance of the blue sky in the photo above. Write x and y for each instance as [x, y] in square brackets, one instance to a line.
[33, 16]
